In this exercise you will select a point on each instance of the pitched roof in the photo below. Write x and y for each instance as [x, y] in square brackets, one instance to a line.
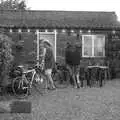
[58, 19]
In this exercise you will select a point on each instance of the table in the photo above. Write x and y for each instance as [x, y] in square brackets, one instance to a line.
[97, 73]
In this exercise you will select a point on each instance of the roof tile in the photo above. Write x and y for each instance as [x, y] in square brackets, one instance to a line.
[58, 19]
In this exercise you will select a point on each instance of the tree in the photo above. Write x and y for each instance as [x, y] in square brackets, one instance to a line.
[13, 5]
[6, 57]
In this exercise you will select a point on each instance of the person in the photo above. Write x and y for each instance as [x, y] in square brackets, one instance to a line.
[72, 58]
[49, 62]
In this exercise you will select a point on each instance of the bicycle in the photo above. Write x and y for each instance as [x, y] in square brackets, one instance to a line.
[61, 76]
[22, 85]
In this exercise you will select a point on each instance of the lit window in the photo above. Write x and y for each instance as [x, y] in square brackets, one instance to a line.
[93, 45]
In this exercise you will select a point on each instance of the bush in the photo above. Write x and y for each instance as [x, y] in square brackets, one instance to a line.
[6, 57]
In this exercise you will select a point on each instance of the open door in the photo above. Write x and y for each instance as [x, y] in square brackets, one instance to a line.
[51, 36]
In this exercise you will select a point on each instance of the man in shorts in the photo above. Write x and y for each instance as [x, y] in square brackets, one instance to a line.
[49, 62]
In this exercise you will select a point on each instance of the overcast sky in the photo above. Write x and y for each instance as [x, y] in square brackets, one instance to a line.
[76, 5]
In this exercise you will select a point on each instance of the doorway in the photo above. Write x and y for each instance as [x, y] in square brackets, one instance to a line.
[51, 36]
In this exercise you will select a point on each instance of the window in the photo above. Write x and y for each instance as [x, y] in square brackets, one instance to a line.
[93, 45]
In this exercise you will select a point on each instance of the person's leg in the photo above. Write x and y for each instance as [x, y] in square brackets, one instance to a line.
[44, 77]
[77, 75]
[48, 73]
[69, 75]
[46, 83]
[74, 76]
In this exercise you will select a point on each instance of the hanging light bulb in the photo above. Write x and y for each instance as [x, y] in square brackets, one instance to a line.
[19, 30]
[80, 31]
[37, 31]
[63, 30]
[11, 31]
[113, 31]
[89, 31]
[72, 31]
[28, 30]
[55, 30]
[46, 30]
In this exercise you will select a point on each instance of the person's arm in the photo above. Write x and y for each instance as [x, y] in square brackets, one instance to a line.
[50, 58]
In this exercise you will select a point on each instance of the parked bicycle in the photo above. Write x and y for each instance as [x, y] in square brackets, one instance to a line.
[61, 76]
[23, 84]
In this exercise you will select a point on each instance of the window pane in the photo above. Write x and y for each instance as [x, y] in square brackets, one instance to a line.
[99, 45]
[87, 51]
[88, 41]
[87, 45]
[99, 41]
[98, 51]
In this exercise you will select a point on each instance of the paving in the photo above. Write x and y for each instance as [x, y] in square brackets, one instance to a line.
[71, 104]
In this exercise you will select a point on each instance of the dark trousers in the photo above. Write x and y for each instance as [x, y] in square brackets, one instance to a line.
[74, 73]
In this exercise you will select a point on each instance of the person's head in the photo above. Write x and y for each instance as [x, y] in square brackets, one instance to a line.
[46, 43]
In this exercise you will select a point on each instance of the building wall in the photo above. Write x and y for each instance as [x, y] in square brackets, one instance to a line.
[114, 53]
[77, 39]
[24, 47]
[27, 53]
[62, 39]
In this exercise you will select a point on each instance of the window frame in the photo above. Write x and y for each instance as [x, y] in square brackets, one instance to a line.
[93, 51]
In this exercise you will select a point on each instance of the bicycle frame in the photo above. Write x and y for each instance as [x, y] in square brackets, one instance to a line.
[33, 71]
[24, 78]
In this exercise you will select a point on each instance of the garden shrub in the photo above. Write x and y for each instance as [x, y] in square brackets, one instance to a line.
[6, 58]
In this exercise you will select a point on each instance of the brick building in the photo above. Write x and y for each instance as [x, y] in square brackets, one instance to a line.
[96, 33]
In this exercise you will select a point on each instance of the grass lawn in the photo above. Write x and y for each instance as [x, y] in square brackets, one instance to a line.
[74, 104]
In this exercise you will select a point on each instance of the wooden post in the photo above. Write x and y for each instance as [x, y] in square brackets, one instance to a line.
[55, 44]
[38, 36]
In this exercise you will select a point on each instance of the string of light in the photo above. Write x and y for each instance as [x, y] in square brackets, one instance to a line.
[55, 30]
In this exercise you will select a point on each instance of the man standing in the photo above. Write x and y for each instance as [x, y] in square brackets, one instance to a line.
[72, 57]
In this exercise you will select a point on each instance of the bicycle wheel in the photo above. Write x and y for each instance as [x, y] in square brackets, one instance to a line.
[59, 80]
[39, 83]
[20, 87]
